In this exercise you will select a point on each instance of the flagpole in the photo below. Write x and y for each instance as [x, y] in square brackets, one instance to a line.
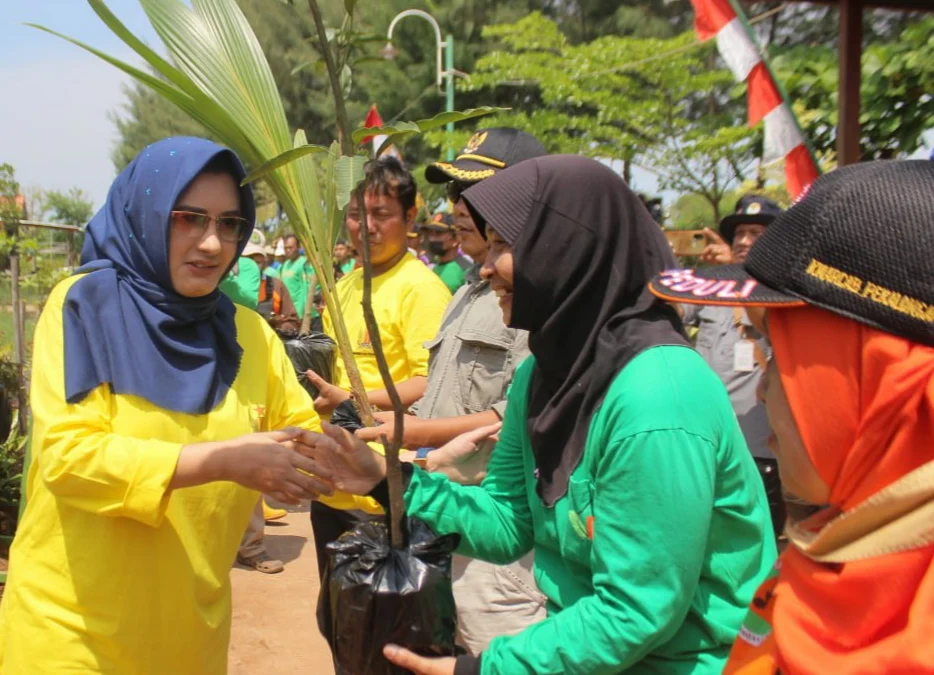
[763, 54]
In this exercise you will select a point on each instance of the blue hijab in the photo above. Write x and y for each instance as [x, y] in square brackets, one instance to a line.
[124, 324]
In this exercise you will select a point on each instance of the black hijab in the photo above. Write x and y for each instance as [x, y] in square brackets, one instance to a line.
[584, 248]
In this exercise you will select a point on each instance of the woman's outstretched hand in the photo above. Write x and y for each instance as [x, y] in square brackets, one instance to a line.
[420, 665]
[461, 459]
[342, 459]
[269, 462]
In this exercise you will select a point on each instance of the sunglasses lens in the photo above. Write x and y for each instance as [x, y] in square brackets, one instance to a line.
[189, 224]
[231, 228]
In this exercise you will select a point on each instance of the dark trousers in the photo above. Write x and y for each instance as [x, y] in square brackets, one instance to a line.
[328, 524]
[768, 470]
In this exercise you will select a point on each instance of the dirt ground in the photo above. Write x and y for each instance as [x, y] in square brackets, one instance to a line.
[274, 630]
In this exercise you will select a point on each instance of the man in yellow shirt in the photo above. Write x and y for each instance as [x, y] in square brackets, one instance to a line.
[408, 300]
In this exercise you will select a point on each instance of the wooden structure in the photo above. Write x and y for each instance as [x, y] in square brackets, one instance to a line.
[850, 59]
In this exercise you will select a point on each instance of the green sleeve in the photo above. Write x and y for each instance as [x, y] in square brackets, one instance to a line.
[243, 287]
[652, 503]
[493, 519]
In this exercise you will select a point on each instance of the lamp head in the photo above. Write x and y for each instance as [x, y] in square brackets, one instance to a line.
[389, 52]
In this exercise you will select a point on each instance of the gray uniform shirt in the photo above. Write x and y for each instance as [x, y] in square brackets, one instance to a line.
[717, 337]
[473, 357]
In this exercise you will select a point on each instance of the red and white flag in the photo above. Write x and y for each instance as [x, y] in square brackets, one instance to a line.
[783, 139]
[372, 121]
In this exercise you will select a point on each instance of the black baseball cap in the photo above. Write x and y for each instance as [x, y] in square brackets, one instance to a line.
[440, 222]
[859, 244]
[750, 210]
[487, 152]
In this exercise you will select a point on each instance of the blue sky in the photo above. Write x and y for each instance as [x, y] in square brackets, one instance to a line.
[55, 127]
[57, 100]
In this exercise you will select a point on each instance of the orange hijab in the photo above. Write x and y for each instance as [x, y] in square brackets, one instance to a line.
[863, 401]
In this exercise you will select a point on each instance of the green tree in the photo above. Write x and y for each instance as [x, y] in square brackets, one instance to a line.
[11, 211]
[897, 92]
[692, 211]
[402, 88]
[74, 207]
[145, 118]
[659, 102]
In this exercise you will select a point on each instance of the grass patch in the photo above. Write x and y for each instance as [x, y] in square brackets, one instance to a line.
[6, 329]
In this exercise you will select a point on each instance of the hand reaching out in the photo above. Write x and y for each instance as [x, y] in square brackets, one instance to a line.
[329, 396]
[717, 252]
[420, 665]
[270, 462]
[387, 425]
[342, 459]
[461, 459]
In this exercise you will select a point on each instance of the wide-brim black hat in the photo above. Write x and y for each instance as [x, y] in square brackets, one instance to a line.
[750, 210]
[487, 152]
[859, 245]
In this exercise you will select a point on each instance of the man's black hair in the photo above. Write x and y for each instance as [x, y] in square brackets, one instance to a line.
[291, 235]
[387, 176]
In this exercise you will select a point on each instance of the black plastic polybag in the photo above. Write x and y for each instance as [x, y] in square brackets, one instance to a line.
[346, 416]
[373, 594]
[316, 352]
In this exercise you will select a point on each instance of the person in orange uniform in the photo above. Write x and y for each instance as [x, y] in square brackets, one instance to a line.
[160, 412]
[845, 276]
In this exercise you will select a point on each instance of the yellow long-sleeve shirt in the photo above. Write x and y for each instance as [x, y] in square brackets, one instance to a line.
[110, 571]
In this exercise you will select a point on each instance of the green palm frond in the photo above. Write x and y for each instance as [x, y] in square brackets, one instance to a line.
[217, 74]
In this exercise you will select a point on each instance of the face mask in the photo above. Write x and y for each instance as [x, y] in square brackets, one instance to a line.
[436, 248]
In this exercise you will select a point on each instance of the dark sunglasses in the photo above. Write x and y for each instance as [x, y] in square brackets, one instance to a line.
[193, 225]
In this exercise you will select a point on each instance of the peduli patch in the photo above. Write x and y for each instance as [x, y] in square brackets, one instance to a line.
[728, 285]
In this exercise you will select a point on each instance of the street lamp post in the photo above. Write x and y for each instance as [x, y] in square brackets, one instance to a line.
[444, 58]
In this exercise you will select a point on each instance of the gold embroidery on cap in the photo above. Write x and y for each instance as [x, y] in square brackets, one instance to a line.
[880, 295]
[474, 143]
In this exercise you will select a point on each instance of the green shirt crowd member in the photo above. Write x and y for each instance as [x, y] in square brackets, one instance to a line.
[343, 257]
[443, 247]
[605, 552]
[242, 283]
[297, 275]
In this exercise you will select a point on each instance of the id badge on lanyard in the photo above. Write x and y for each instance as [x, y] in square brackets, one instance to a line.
[744, 356]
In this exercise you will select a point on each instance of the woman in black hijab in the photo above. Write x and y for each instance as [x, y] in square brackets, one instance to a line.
[620, 460]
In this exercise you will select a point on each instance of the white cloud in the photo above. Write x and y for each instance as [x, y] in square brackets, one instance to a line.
[55, 127]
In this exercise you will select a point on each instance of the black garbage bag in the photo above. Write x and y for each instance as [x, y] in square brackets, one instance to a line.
[316, 352]
[373, 594]
[346, 416]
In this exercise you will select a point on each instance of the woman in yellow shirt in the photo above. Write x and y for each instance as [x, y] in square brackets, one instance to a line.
[155, 407]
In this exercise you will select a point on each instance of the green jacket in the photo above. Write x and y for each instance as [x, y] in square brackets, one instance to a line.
[680, 526]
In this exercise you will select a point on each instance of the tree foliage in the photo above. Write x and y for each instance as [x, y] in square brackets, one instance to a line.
[660, 102]
[596, 77]
[897, 92]
[73, 207]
